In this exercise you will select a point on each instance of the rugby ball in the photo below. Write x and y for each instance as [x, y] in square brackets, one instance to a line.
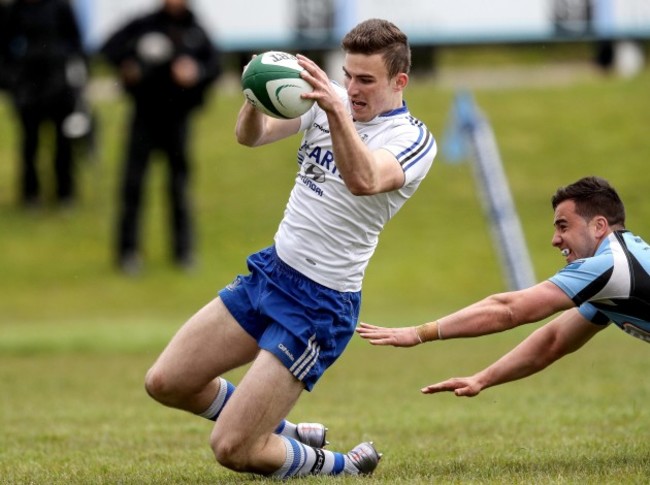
[271, 82]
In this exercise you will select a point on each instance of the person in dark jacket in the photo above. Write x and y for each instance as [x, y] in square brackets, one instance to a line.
[42, 65]
[166, 62]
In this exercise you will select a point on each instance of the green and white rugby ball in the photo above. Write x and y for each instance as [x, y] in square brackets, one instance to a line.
[271, 82]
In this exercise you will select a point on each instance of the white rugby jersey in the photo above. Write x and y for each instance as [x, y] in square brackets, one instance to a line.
[327, 233]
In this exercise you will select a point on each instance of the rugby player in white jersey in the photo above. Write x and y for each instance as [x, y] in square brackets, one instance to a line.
[606, 280]
[361, 157]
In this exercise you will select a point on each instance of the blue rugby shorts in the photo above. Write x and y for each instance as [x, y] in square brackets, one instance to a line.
[304, 324]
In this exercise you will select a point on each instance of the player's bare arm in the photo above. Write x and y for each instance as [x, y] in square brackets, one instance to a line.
[364, 172]
[254, 128]
[563, 335]
[493, 314]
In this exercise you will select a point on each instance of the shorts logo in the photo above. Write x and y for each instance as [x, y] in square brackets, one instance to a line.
[235, 283]
[286, 352]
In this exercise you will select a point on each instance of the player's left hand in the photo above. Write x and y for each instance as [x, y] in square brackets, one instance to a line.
[323, 92]
[397, 337]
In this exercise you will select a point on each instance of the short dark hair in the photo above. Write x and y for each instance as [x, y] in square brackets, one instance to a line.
[377, 36]
[593, 196]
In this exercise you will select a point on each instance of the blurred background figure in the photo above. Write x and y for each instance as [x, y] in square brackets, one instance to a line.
[43, 68]
[166, 62]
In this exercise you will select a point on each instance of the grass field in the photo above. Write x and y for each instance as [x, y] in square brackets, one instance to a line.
[76, 337]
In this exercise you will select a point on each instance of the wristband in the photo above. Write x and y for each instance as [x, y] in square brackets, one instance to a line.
[428, 331]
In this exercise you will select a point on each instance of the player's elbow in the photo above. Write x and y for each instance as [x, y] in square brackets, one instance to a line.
[517, 308]
[360, 190]
[560, 347]
[245, 139]
[246, 143]
[361, 186]
[553, 346]
[249, 131]
[504, 311]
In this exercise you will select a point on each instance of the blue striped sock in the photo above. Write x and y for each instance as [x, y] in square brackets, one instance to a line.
[225, 391]
[304, 460]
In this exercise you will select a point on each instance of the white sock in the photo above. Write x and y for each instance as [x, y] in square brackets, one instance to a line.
[225, 391]
[304, 460]
[288, 429]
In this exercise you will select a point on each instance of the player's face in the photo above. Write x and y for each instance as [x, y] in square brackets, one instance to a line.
[574, 234]
[370, 90]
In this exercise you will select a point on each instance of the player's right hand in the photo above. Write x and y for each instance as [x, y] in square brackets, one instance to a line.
[460, 386]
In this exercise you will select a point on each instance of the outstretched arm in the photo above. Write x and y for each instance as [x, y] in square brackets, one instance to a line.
[493, 314]
[563, 335]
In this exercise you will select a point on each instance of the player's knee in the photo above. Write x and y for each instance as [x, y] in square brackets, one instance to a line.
[159, 387]
[153, 383]
[230, 451]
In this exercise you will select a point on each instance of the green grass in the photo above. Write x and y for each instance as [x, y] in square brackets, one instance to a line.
[76, 337]
[82, 417]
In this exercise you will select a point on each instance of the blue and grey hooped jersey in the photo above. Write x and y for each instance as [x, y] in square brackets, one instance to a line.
[613, 285]
[327, 233]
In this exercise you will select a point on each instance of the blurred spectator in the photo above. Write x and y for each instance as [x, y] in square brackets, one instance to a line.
[166, 62]
[42, 65]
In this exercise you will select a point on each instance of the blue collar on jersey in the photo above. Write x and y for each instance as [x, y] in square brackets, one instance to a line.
[397, 111]
[387, 114]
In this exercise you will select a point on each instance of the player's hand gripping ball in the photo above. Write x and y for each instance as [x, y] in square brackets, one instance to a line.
[271, 82]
